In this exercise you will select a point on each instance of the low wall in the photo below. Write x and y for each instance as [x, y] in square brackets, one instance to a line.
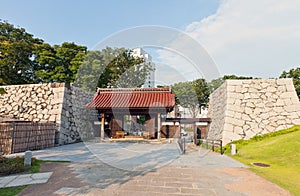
[241, 109]
[21, 136]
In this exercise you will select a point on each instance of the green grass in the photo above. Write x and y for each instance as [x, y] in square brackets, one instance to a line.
[11, 191]
[281, 150]
[12, 164]
[15, 166]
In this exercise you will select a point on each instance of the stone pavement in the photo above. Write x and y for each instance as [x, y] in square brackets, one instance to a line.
[24, 179]
[145, 169]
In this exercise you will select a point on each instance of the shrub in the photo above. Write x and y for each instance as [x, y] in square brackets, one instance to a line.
[12, 165]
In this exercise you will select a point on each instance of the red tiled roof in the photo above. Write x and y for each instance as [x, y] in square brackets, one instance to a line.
[132, 98]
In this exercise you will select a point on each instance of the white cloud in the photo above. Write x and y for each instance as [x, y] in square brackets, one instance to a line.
[250, 37]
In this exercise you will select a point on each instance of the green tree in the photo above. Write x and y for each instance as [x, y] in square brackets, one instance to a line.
[128, 71]
[234, 77]
[295, 75]
[17, 49]
[216, 83]
[90, 70]
[58, 63]
[192, 95]
[112, 67]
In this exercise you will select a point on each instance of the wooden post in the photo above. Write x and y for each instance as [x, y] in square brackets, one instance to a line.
[158, 125]
[102, 126]
[195, 134]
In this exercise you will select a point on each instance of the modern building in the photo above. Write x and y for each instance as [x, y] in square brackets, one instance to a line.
[150, 80]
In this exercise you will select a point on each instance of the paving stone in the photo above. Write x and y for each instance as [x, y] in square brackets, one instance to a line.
[39, 176]
[68, 191]
[6, 180]
[197, 191]
[194, 174]
[24, 179]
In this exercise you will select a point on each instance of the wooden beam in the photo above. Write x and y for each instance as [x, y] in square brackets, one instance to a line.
[158, 125]
[102, 126]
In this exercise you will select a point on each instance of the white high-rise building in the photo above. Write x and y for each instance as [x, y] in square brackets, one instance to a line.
[150, 80]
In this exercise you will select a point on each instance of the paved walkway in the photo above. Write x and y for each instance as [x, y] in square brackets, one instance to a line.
[24, 179]
[145, 169]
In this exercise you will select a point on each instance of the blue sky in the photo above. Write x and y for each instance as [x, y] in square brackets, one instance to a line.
[250, 37]
[88, 22]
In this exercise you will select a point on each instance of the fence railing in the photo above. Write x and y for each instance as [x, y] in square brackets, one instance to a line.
[21, 136]
[182, 145]
[211, 144]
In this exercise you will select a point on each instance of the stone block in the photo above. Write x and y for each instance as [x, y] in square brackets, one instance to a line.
[280, 127]
[41, 116]
[281, 88]
[238, 130]
[264, 116]
[231, 88]
[247, 96]
[271, 89]
[253, 126]
[294, 100]
[234, 121]
[235, 108]
[238, 89]
[258, 111]
[279, 102]
[230, 113]
[236, 101]
[290, 87]
[296, 121]
[287, 101]
[287, 95]
[288, 121]
[231, 136]
[228, 127]
[27, 158]
[264, 85]
[245, 117]
[260, 105]
[281, 122]
[292, 108]
[249, 134]
[52, 118]
[278, 110]
[250, 104]
[235, 95]
[284, 81]
[235, 82]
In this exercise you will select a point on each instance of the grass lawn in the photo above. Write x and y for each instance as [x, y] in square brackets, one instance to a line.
[15, 166]
[281, 150]
[12, 191]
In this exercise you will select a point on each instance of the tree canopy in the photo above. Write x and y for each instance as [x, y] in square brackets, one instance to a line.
[17, 49]
[112, 67]
[25, 59]
[58, 63]
[295, 75]
[216, 83]
[192, 95]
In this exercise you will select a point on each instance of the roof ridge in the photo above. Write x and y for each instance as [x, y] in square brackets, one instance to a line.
[120, 90]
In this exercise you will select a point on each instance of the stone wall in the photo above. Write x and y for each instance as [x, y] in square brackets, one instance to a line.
[241, 109]
[57, 102]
